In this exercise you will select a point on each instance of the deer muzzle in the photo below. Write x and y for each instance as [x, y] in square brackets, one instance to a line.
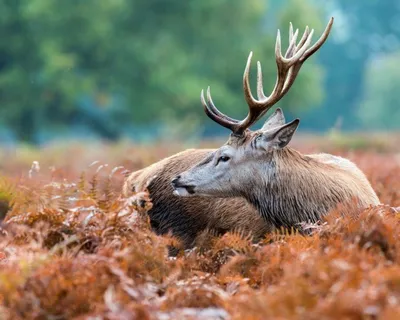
[181, 188]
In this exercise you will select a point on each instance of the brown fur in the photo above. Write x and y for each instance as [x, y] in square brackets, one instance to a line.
[286, 187]
[188, 217]
[306, 187]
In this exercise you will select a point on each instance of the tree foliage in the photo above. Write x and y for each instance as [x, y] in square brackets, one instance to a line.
[381, 100]
[363, 30]
[106, 66]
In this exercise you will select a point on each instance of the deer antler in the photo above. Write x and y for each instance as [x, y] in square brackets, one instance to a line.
[288, 67]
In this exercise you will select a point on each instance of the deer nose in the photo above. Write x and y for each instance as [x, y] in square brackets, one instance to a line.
[176, 179]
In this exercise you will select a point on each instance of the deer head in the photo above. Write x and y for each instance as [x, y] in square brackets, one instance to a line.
[225, 171]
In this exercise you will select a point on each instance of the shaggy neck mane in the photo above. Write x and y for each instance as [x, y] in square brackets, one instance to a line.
[291, 189]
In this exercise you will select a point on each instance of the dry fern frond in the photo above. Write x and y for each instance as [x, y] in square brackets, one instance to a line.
[237, 241]
[66, 253]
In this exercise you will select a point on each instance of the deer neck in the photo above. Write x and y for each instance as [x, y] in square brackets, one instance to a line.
[289, 190]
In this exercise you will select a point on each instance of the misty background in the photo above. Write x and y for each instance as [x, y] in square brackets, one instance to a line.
[123, 69]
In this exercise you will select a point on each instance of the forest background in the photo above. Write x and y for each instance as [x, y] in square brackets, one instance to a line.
[122, 69]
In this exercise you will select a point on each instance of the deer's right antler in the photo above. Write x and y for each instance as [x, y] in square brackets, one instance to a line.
[288, 67]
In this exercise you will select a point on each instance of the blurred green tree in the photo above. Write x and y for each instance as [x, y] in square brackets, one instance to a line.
[363, 29]
[137, 62]
[379, 107]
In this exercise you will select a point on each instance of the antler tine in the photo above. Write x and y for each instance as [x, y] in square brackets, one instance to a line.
[290, 33]
[278, 51]
[304, 37]
[214, 109]
[246, 85]
[214, 114]
[320, 41]
[292, 44]
[260, 87]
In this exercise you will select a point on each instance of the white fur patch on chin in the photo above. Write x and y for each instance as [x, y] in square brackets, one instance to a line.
[181, 192]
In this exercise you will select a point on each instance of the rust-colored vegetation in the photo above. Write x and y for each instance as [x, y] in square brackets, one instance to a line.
[72, 248]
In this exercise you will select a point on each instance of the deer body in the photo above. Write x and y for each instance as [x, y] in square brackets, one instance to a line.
[187, 218]
[295, 188]
[286, 187]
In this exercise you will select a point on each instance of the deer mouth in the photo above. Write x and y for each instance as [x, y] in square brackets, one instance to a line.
[182, 190]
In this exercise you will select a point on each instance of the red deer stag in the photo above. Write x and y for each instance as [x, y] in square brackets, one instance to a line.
[186, 217]
[285, 186]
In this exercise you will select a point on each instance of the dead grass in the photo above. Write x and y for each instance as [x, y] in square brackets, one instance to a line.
[72, 248]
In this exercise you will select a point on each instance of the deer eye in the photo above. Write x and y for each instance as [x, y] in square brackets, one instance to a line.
[223, 159]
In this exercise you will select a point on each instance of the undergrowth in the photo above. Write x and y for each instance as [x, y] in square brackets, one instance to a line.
[72, 248]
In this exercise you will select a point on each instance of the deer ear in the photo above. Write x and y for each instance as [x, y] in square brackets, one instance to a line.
[278, 138]
[276, 119]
